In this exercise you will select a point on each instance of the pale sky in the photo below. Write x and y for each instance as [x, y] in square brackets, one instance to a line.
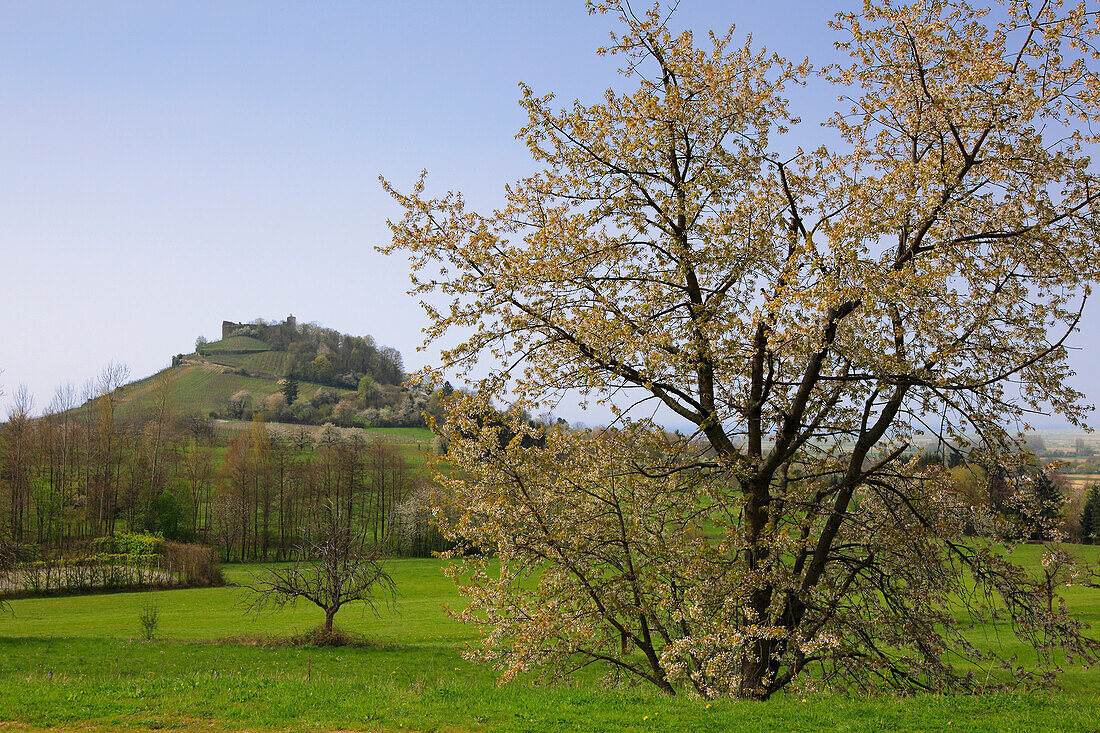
[168, 165]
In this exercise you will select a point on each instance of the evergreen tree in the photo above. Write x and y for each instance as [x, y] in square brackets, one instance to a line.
[289, 389]
[1050, 499]
[1090, 517]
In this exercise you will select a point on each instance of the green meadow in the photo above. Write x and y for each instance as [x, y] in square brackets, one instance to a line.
[198, 389]
[234, 344]
[78, 663]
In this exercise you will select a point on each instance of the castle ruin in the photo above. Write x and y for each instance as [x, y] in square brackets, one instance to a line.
[231, 329]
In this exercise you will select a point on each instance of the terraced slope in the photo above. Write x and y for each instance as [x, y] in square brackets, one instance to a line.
[273, 363]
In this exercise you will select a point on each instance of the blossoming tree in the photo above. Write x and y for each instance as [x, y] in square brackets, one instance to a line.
[807, 313]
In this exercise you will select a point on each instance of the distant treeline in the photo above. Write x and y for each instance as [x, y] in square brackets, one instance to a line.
[1035, 502]
[71, 476]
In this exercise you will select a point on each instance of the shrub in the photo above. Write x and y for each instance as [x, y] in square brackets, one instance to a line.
[149, 619]
[195, 565]
[239, 403]
[128, 544]
[324, 396]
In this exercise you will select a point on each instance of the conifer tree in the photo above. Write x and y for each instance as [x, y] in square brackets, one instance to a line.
[1090, 516]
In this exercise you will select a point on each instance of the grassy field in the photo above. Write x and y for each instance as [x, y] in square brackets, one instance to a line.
[267, 362]
[198, 389]
[195, 389]
[235, 344]
[75, 663]
[1081, 480]
[421, 436]
[414, 444]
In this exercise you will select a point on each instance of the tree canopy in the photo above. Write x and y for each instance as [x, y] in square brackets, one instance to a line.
[810, 314]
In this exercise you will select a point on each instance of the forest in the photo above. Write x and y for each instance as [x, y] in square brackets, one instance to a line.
[69, 477]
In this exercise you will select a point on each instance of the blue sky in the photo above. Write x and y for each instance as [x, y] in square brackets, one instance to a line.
[167, 165]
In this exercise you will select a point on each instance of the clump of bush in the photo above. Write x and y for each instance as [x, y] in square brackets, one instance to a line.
[128, 544]
[322, 636]
[195, 565]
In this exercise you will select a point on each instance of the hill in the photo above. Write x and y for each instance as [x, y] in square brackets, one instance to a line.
[305, 374]
[203, 389]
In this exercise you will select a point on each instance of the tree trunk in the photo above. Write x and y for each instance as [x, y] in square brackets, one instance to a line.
[757, 663]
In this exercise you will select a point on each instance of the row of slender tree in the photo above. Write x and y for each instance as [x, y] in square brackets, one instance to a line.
[78, 472]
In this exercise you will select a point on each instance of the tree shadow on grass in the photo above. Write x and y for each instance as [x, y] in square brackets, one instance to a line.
[318, 637]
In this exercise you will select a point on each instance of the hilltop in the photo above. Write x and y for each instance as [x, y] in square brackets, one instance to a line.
[300, 373]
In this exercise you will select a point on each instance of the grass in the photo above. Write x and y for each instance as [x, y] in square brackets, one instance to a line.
[268, 362]
[1084, 480]
[77, 662]
[235, 344]
[198, 389]
[409, 435]
[195, 389]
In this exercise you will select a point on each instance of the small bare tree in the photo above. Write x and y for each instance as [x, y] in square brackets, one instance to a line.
[336, 565]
